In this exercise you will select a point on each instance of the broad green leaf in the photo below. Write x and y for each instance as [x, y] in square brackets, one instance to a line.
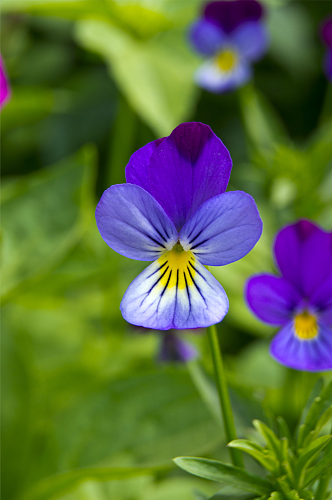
[270, 437]
[257, 452]
[307, 455]
[60, 484]
[43, 216]
[318, 469]
[224, 473]
[263, 127]
[229, 492]
[156, 76]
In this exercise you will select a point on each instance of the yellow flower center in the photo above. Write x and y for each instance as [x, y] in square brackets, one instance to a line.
[177, 268]
[226, 60]
[305, 325]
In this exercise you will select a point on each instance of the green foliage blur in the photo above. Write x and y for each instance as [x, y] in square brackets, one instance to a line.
[87, 412]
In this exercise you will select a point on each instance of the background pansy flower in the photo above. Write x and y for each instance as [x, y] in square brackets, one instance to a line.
[4, 85]
[231, 35]
[326, 32]
[173, 348]
[300, 301]
[174, 211]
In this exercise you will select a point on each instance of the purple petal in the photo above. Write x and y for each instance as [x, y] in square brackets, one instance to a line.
[303, 253]
[327, 65]
[272, 299]
[322, 301]
[188, 167]
[213, 79]
[132, 223]
[137, 168]
[174, 348]
[326, 31]
[313, 355]
[251, 40]
[224, 229]
[4, 85]
[228, 15]
[154, 300]
[206, 38]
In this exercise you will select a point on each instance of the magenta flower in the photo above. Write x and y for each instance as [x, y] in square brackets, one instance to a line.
[4, 85]
[300, 301]
[232, 36]
[174, 211]
[326, 32]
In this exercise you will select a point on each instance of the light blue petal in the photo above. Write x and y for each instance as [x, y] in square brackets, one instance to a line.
[222, 230]
[210, 77]
[251, 40]
[206, 38]
[151, 302]
[133, 223]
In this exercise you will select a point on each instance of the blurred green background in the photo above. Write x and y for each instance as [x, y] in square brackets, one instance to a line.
[92, 81]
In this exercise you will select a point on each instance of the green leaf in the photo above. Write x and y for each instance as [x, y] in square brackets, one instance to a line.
[308, 455]
[318, 469]
[156, 75]
[272, 441]
[224, 473]
[257, 452]
[229, 492]
[315, 411]
[44, 214]
[59, 484]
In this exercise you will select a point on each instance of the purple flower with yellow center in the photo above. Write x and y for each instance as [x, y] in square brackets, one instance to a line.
[4, 85]
[232, 36]
[174, 211]
[326, 32]
[300, 301]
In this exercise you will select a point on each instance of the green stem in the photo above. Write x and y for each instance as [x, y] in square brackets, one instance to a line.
[225, 403]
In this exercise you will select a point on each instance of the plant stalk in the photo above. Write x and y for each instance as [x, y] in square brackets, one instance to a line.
[225, 403]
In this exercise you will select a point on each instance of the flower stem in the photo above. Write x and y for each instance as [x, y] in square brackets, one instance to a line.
[225, 403]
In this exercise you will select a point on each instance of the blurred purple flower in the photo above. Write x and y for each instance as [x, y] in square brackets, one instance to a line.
[300, 301]
[326, 33]
[4, 85]
[232, 36]
[174, 348]
[174, 211]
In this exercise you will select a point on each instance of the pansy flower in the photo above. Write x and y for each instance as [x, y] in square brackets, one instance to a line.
[300, 300]
[4, 85]
[232, 36]
[326, 33]
[174, 211]
[174, 349]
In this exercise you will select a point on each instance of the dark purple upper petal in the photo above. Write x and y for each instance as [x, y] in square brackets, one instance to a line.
[206, 38]
[137, 168]
[4, 85]
[230, 14]
[187, 168]
[303, 253]
[326, 31]
[272, 299]
[322, 301]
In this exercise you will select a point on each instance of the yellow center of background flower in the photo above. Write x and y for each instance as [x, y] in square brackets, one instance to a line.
[178, 268]
[305, 325]
[226, 60]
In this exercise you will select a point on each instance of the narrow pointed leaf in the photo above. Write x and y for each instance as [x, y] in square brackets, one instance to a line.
[309, 454]
[268, 462]
[225, 473]
[318, 469]
[272, 441]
